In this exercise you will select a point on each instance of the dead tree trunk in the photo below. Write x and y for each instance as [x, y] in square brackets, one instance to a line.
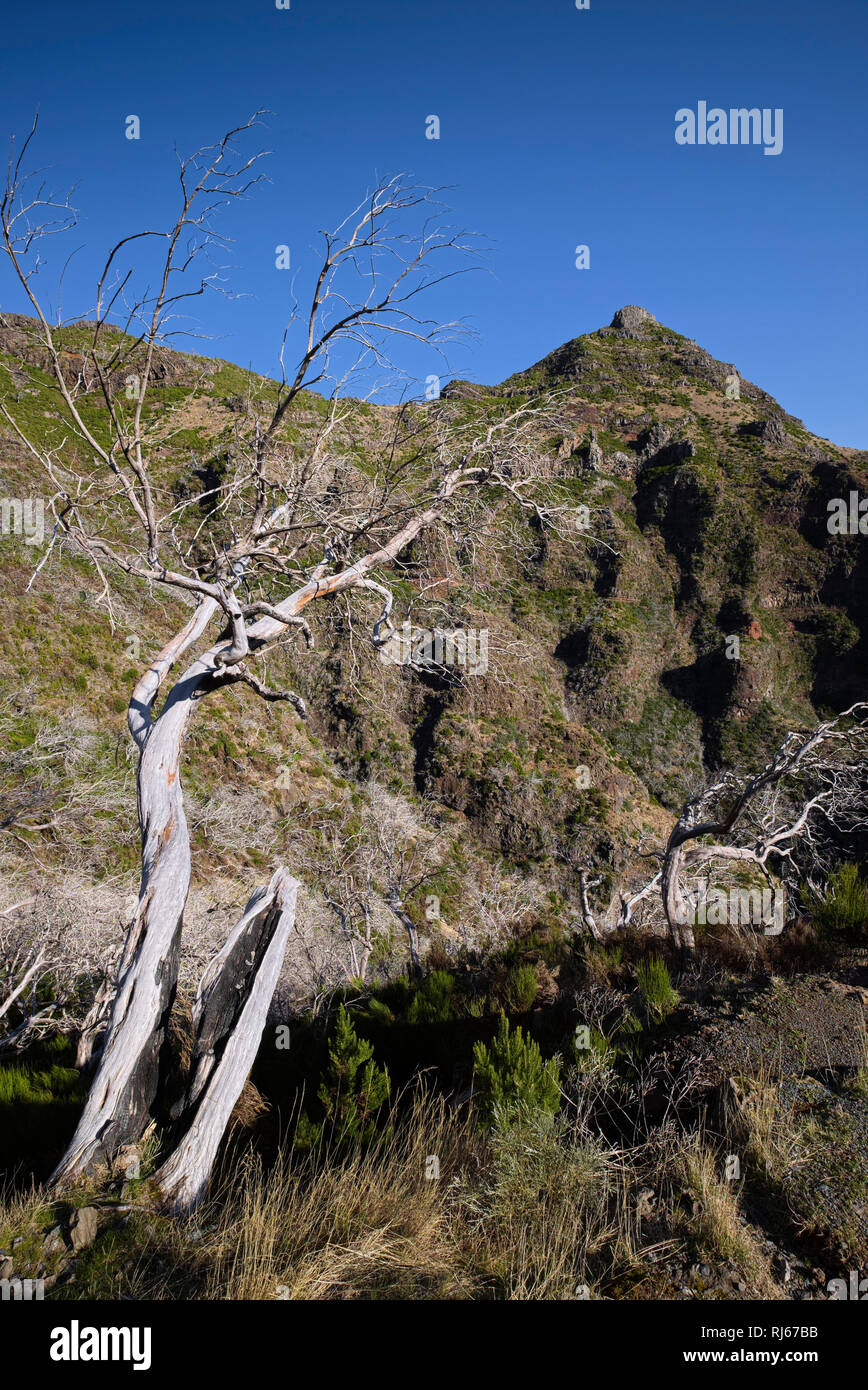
[119, 1104]
[236, 988]
[94, 1024]
[228, 1020]
[831, 755]
[397, 907]
[674, 903]
[589, 921]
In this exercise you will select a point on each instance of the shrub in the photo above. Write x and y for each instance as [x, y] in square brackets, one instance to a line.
[843, 912]
[352, 1090]
[600, 961]
[628, 1038]
[511, 1075]
[37, 1108]
[521, 988]
[432, 1002]
[22, 1085]
[379, 1012]
[656, 988]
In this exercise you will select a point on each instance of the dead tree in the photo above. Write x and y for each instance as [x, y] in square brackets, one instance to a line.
[93, 1025]
[369, 869]
[253, 553]
[784, 817]
[816, 779]
[36, 997]
[350, 891]
[23, 1016]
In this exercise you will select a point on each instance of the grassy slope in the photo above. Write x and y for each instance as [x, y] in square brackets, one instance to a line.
[613, 663]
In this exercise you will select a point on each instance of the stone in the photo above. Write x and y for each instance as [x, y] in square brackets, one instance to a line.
[128, 1161]
[657, 446]
[568, 445]
[83, 1228]
[632, 318]
[645, 1203]
[594, 456]
[54, 1244]
[622, 465]
[773, 431]
[652, 440]
[661, 450]
[770, 431]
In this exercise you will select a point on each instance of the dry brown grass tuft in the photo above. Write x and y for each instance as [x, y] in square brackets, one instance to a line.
[347, 1226]
[761, 1126]
[718, 1225]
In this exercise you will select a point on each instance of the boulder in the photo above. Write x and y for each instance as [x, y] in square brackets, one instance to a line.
[770, 430]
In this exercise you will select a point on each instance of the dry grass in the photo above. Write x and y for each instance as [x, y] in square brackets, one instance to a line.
[552, 1214]
[537, 1210]
[540, 1209]
[761, 1126]
[333, 1226]
[718, 1226]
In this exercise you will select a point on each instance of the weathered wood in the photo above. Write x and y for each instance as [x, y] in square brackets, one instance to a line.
[120, 1103]
[118, 1106]
[409, 926]
[89, 1039]
[228, 1018]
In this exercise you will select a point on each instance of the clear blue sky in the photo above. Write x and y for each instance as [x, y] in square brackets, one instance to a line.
[557, 128]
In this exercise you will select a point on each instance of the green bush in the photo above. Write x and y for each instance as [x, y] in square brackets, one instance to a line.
[353, 1089]
[656, 988]
[432, 1002]
[22, 1085]
[379, 1012]
[511, 1076]
[522, 987]
[39, 1101]
[843, 912]
[599, 961]
[628, 1036]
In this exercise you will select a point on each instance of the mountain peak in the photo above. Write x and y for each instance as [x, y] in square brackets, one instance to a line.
[632, 318]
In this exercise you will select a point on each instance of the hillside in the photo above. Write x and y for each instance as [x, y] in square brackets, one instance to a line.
[665, 607]
[709, 520]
